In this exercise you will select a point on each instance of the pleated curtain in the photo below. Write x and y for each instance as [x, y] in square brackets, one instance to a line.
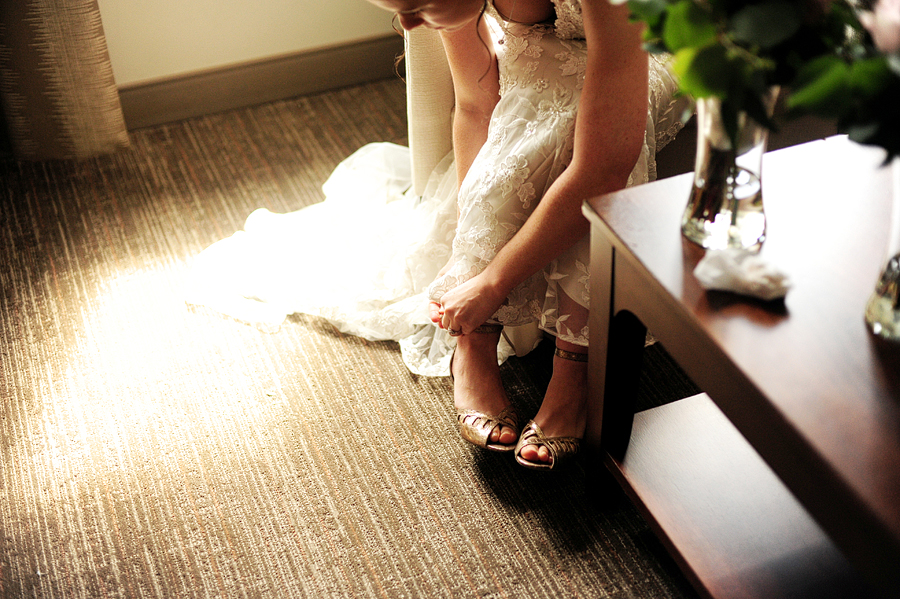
[57, 90]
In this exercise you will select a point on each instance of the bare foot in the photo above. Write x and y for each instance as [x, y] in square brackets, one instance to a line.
[476, 381]
[563, 412]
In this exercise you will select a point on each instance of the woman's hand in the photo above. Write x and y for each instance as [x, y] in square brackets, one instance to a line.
[467, 306]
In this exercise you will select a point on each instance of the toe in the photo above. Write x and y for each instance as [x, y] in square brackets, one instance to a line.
[544, 454]
[537, 454]
[508, 436]
[504, 435]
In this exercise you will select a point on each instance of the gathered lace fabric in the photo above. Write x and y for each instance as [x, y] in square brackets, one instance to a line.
[375, 279]
[569, 24]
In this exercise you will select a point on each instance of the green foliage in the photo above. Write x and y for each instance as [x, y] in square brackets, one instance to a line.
[861, 92]
[822, 87]
[858, 85]
[736, 50]
[688, 25]
[706, 72]
[767, 24]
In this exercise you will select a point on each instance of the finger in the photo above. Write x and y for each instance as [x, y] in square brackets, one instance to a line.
[434, 312]
[448, 325]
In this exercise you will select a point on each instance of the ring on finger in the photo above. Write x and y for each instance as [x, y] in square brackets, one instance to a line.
[454, 332]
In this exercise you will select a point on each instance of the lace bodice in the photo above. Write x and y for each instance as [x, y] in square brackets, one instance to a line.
[569, 23]
[666, 110]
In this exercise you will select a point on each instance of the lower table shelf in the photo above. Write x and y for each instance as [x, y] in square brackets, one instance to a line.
[730, 523]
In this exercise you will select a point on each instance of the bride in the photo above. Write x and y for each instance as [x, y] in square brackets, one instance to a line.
[552, 111]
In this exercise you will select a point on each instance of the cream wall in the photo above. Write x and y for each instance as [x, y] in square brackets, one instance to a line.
[157, 39]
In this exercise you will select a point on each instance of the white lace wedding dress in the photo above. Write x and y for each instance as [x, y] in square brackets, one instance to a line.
[366, 258]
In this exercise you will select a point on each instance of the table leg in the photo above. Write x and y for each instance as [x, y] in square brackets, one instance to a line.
[627, 335]
[601, 270]
[616, 350]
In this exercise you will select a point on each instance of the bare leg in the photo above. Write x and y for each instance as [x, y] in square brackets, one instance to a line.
[477, 384]
[563, 412]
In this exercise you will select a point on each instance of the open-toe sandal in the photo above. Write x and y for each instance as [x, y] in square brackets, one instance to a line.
[476, 427]
[561, 449]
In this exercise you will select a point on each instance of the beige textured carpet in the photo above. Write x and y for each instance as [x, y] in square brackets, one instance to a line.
[153, 450]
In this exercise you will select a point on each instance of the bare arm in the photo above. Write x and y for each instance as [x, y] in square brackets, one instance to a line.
[609, 134]
[476, 86]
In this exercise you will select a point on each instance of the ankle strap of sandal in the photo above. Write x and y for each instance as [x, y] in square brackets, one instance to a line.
[571, 355]
[488, 328]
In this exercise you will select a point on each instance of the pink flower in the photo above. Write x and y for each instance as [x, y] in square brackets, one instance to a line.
[884, 25]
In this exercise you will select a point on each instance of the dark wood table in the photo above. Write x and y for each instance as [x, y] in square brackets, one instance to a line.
[783, 478]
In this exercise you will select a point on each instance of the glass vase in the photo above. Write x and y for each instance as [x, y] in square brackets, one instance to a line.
[725, 209]
[883, 307]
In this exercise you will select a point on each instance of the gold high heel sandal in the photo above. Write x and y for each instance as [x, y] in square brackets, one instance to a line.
[561, 449]
[476, 427]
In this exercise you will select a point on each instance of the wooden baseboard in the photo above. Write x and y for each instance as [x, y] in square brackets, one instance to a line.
[208, 92]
